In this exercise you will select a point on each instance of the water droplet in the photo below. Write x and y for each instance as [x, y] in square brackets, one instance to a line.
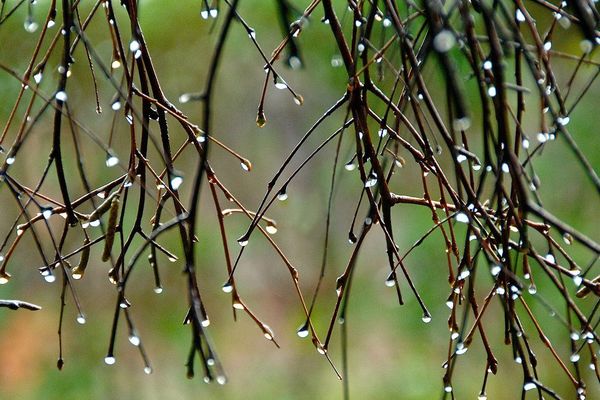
[124, 304]
[371, 180]
[210, 361]
[294, 62]
[461, 348]
[205, 323]
[246, 165]
[487, 65]
[586, 46]
[299, 100]
[221, 379]
[574, 335]
[464, 275]
[448, 389]
[350, 166]
[50, 278]
[176, 182]
[81, 319]
[204, 14]
[280, 83]
[574, 357]
[390, 281]
[30, 25]
[252, 34]
[529, 386]
[532, 289]
[10, 160]
[550, 258]
[134, 340]
[547, 46]
[271, 228]
[577, 280]
[462, 217]
[4, 278]
[387, 23]
[505, 168]
[336, 61]
[525, 144]
[158, 290]
[461, 158]
[302, 331]
[518, 360]
[109, 360]
[563, 120]
[520, 17]
[426, 318]
[147, 370]
[111, 160]
[38, 77]
[444, 41]
[134, 46]
[461, 124]
[267, 332]
[282, 195]
[95, 223]
[46, 212]
[227, 287]
[115, 64]
[61, 96]
[500, 291]
[50, 23]
[482, 397]
[454, 335]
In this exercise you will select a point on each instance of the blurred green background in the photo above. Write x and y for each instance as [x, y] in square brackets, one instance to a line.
[392, 354]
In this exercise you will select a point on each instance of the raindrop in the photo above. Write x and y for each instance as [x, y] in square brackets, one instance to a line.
[214, 12]
[444, 41]
[176, 182]
[50, 278]
[38, 77]
[10, 160]
[390, 282]
[271, 228]
[204, 14]
[426, 318]
[282, 195]
[95, 223]
[4, 278]
[461, 158]
[252, 34]
[547, 46]
[519, 16]
[47, 212]
[61, 96]
[302, 331]
[50, 23]
[586, 46]
[525, 143]
[382, 132]
[246, 165]
[482, 397]
[492, 91]
[518, 360]
[243, 242]
[574, 358]
[574, 336]
[464, 275]
[454, 335]
[563, 120]
[81, 319]
[550, 258]
[237, 305]
[294, 62]
[210, 361]
[371, 180]
[30, 25]
[461, 348]
[158, 290]
[336, 61]
[529, 386]
[134, 340]
[205, 322]
[577, 280]
[387, 23]
[147, 370]
[134, 46]
[109, 360]
[280, 84]
[184, 98]
[267, 332]
[115, 64]
[448, 389]
[221, 379]
[532, 289]
[227, 287]
[505, 168]
[350, 166]
[461, 124]
[462, 217]
[111, 160]
[500, 291]
[487, 65]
